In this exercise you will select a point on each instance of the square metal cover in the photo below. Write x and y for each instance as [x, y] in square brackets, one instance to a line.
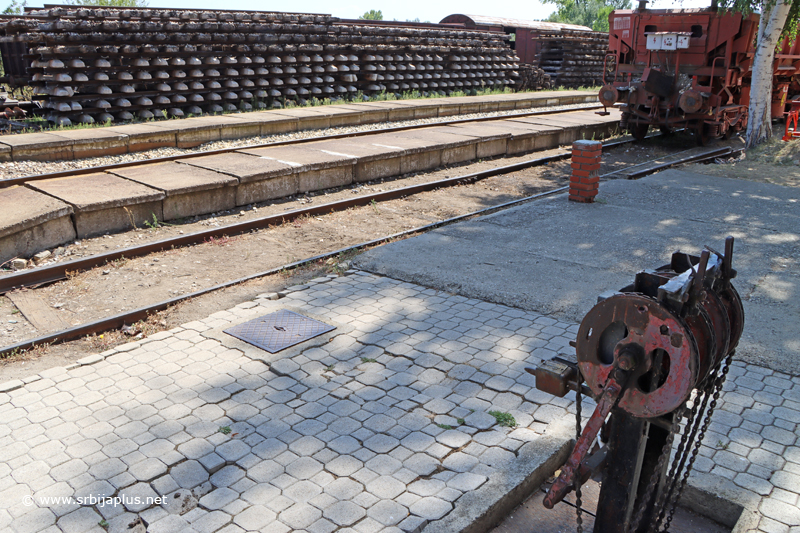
[277, 331]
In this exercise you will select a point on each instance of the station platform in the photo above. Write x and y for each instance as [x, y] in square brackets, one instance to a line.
[46, 213]
[66, 144]
[393, 421]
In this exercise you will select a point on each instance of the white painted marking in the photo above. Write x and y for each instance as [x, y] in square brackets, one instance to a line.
[337, 153]
[387, 146]
[290, 163]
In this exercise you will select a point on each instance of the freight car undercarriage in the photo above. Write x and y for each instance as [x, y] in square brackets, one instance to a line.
[724, 122]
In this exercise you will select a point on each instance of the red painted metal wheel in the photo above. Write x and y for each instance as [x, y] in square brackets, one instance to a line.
[668, 362]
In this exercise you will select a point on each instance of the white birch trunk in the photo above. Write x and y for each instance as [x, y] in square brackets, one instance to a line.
[759, 123]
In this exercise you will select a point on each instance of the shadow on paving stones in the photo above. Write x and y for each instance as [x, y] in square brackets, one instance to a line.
[385, 425]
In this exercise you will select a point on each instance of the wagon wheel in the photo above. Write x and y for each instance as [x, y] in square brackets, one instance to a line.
[701, 135]
[728, 134]
[639, 131]
[666, 130]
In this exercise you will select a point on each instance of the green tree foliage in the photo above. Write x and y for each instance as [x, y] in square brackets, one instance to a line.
[590, 13]
[790, 27]
[15, 7]
[372, 15]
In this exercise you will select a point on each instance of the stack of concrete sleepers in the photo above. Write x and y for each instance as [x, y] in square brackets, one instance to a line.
[573, 58]
[108, 64]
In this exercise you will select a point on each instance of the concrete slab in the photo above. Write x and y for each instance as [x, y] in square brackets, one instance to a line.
[259, 178]
[104, 203]
[373, 160]
[237, 126]
[315, 169]
[525, 137]
[95, 142]
[194, 131]
[575, 127]
[491, 140]
[395, 109]
[5, 152]
[343, 115]
[483, 508]
[188, 190]
[31, 222]
[308, 156]
[271, 123]
[146, 136]
[309, 118]
[371, 112]
[419, 154]
[38, 146]
[455, 147]
[555, 256]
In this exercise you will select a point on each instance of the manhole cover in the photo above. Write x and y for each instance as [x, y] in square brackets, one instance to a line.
[279, 330]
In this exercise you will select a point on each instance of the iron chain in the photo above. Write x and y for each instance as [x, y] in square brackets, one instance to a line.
[578, 423]
[654, 478]
[718, 383]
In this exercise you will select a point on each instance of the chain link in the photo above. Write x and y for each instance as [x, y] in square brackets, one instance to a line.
[681, 453]
[654, 478]
[717, 386]
[578, 423]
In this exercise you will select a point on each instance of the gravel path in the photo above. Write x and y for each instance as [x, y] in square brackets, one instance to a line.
[18, 169]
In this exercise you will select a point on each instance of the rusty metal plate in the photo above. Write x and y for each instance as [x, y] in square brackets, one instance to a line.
[277, 331]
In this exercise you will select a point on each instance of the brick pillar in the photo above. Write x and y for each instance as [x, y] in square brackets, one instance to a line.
[585, 166]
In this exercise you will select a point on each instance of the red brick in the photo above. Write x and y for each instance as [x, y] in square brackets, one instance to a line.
[580, 199]
[582, 186]
[588, 153]
[582, 190]
[590, 181]
[586, 160]
[584, 173]
[584, 166]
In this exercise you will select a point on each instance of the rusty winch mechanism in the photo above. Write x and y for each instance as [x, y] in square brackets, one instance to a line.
[654, 356]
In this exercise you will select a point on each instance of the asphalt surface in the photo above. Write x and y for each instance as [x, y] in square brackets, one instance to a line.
[555, 257]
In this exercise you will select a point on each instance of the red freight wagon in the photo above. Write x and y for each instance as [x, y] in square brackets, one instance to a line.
[689, 68]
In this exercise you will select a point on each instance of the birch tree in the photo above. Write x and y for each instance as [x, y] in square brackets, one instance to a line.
[779, 19]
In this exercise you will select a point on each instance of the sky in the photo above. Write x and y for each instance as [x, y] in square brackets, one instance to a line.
[425, 10]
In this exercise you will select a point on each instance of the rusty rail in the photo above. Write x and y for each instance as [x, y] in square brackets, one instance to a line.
[56, 272]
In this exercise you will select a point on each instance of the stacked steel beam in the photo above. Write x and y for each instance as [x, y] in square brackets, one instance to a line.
[105, 64]
[573, 58]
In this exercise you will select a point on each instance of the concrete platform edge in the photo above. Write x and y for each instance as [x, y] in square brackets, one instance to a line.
[67, 148]
[482, 509]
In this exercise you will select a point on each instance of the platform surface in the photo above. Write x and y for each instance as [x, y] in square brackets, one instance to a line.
[556, 257]
[197, 130]
[91, 192]
[383, 424]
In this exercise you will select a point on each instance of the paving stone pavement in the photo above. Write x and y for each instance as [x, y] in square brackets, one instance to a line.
[382, 428]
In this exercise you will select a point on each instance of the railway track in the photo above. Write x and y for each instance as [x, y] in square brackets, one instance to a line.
[44, 275]
[10, 182]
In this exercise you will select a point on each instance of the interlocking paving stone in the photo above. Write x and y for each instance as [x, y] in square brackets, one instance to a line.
[353, 447]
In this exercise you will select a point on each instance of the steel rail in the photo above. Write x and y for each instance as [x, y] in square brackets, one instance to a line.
[690, 159]
[165, 159]
[58, 271]
[130, 317]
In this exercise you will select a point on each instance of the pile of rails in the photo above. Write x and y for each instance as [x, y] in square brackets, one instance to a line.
[572, 58]
[105, 64]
